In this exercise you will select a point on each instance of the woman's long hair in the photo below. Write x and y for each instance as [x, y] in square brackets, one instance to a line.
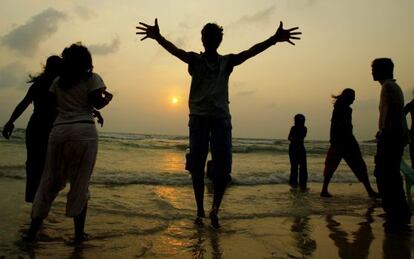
[51, 70]
[77, 65]
[343, 98]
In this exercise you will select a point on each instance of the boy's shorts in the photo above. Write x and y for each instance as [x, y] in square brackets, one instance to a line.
[213, 133]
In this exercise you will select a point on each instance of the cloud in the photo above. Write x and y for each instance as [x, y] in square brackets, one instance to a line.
[13, 75]
[26, 38]
[105, 49]
[262, 17]
[84, 12]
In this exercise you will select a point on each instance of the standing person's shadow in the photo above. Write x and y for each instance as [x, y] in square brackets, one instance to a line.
[362, 238]
[302, 234]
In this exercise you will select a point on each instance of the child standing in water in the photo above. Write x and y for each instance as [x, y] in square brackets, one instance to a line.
[297, 153]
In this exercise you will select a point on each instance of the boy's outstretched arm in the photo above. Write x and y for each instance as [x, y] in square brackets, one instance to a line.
[153, 32]
[281, 35]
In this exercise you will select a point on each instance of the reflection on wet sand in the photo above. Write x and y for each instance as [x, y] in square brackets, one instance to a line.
[199, 249]
[301, 233]
[362, 238]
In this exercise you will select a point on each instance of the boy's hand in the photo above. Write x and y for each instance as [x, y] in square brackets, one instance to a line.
[286, 35]
[152, 32]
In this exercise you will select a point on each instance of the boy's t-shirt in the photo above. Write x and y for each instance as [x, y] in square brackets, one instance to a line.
[73, 103]
[209, 92]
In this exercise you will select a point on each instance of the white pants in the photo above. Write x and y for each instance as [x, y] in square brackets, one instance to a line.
[71, 156]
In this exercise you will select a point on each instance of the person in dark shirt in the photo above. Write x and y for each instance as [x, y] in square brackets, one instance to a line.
[40, 123]
[297, 153]
[344, 145]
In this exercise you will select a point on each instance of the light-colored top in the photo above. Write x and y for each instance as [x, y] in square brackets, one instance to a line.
[209, 92]
[392, 123]
[72, 103]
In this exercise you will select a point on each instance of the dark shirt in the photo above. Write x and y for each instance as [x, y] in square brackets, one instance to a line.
[341, 125]
[297, 135]
[44, 109]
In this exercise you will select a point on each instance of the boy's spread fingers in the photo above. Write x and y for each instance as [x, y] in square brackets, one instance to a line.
[144, 38]
[294, 28]
[144, 24]
[294, 33]
[141, 28]
[295, 38]
[141, 32]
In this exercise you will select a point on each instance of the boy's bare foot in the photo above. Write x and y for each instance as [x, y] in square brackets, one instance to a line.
[326, 194]
[199, 221]
[214, 219]
[81, 238]
[201, 214]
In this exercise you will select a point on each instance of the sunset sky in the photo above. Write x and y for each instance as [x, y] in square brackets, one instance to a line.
[150, 87]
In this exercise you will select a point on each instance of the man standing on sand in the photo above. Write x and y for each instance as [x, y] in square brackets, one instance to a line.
[392, 136]
[210, 120]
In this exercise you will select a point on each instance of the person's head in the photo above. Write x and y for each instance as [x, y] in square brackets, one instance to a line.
[211, 36]
[347, 97]
[53, 65]
[382, 69]
[51, 69]
[299, 119]
[77, 64]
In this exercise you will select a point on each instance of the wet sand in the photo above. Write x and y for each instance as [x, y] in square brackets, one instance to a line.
[266, 221]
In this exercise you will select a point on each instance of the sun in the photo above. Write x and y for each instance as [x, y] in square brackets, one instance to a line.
[174, 100]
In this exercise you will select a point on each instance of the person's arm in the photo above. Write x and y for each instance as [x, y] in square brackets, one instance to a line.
[291, 134]
[153, 32]
[384, 117]
[281, 35]
[99, 98]
[20, 108]
[408, 107]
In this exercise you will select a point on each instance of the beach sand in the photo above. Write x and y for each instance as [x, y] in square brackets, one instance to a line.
[267, 221]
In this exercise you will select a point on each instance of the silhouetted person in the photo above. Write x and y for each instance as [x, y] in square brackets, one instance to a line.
[344, 144]
[392, 136]
[73, 140]
[210, 120]
[409, 108]
[297, 153]
[39, 125]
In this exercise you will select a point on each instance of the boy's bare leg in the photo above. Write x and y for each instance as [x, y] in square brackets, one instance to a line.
[219, 189]
[198, 187]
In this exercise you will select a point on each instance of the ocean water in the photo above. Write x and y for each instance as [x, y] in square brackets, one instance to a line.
[142, 204]
[125, 159]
